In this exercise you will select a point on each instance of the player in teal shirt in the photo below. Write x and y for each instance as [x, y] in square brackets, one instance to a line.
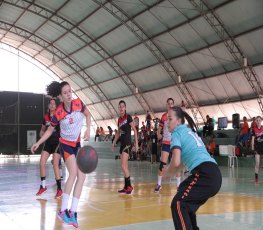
[205, 179]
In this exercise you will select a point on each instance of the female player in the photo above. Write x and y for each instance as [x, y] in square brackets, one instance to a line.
[257, 144]
[166, 139]
[125, 123]
[69, 115]
[205, 179]
[50, 147]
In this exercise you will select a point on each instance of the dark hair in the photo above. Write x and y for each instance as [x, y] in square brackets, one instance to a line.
[185, 116]
[51, 99]
[54, 88]
[122, 101]
[170, 99]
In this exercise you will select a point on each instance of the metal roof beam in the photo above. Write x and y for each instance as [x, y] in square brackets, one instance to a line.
[233, 47]
[63, 58]
[156, 51]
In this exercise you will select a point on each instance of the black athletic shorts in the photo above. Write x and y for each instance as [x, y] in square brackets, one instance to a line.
[51, 147]
[125, 148]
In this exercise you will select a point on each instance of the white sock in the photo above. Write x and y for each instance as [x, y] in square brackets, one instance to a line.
[74, 204]
[178, 181]
[65, 199]
[43, 183]
[159, 180]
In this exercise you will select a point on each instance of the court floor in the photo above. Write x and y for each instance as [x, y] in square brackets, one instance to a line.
[238, 205]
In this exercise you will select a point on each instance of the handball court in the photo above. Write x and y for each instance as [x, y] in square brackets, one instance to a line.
[238, 205]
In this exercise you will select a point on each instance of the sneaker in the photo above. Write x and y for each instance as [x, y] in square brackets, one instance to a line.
[129, 190]
[58, 194]
[157, 188]
[122, 191]
[74, 219]
[256, 181]
[41, 190]
[65, 217]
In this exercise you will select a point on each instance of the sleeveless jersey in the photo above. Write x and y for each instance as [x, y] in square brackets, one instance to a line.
[166, 134]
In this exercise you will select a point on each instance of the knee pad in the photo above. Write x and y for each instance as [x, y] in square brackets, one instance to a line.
[161, 166]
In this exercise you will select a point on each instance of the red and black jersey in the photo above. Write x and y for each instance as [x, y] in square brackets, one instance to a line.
[125, 129]
[258, 134]
[47, 122]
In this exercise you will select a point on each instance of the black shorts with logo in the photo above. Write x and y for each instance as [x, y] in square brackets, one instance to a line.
[51, 147]
[125, 148]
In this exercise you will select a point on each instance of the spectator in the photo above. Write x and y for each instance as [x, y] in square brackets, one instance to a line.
[110, 133]
[143, 128]
[148, 120]
[154, 141]
[136, 121]
[244, 132]
[253, 124]
[183, 106]
[102, 134]
[211, 146]
[97, 133]
[209, 127]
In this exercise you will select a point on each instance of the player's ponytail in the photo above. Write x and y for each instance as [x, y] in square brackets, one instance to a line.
[179, 113]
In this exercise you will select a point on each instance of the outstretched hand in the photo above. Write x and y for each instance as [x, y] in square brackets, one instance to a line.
[34, 148]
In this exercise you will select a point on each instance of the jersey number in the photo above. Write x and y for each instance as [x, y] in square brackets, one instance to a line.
[198, 140]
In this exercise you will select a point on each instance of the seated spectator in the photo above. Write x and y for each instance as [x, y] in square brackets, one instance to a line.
[110, 134]
[97, 133]
[209, 127]
[211, 146]
[244, 133]
[102, 134]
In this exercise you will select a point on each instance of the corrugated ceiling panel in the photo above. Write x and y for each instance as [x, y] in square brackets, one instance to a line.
[206, 63]
[95, 113]
[149, 23]
[239, 108]
[223, 56]
[65, 66]
[201, 26]
[9, 13]
[186, 68]
[169, 45]
[83, 97]
[252, 46]
[118, 40]
[10, 41]
[213, 111]
[101, 72]
[76, 10]
[79, 80]
[28, 50]
[241, 15]
[133, 7]
[45, 60]
[104, 112]
[242, 86]
[53, 5]
[185, 7]
[93, 97]
[132, 105]
[214, 3]
[136, 58]
[33, 45]
[188, 38]
[50, 31]
[73, 85]
[15, 37]
[259, 72]
[151, 78]
[115, 88]
[252, 107]
[97, 27]
[60, 72]
[157, 98]
[201, 92]
[69, 43]
[30, 21]
[86, 57]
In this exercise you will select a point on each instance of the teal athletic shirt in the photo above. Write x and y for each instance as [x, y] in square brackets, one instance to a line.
[193, 150]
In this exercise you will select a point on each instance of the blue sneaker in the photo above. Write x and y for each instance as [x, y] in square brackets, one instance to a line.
[74, 219]
[65, 216]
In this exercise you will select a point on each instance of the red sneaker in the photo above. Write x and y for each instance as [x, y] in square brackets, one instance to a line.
[129, 190]
[59, 194]
[41, 191]
[122, 191]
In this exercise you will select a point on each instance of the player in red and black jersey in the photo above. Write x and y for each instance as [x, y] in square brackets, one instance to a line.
[125, 124]
[51, 146]
[257, 144]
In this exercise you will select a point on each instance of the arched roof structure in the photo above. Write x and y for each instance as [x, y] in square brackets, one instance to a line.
[207, 53]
